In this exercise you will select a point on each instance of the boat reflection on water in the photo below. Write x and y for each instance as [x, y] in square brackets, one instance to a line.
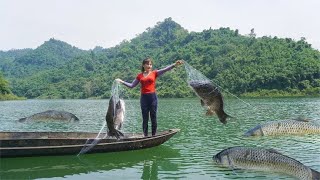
[60, 166]
[150, 170]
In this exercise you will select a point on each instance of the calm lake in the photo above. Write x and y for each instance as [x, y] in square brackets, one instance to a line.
[187, 155]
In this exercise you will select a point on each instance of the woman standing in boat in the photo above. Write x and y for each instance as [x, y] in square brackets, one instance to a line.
[149, 100]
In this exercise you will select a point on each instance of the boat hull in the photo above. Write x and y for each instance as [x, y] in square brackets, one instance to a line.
[19, 144]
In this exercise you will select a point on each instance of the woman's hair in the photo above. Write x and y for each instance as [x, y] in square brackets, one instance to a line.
[145, 61]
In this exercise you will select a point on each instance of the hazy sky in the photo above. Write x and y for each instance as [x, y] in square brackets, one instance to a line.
[89, 23]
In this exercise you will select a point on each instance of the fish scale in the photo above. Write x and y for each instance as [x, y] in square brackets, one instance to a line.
[51, 115]
[211, 97]
[264, 160]
[114, 117]
[284, 127]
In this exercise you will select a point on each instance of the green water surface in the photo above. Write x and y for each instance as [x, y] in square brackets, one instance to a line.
[187, 155]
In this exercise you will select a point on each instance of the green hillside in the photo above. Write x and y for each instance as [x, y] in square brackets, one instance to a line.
[5, 91]
[241, 64]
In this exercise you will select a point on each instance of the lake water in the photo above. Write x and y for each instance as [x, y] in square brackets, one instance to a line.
[187, 155]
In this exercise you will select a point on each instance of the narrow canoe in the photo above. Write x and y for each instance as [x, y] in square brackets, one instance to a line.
[19, 144]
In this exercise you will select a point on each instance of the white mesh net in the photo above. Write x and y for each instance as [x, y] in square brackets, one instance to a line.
[116, 95]
[195, 75]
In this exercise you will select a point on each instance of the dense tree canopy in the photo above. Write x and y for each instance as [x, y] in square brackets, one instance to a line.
[4, 86]
[241, 64]
[5, 91]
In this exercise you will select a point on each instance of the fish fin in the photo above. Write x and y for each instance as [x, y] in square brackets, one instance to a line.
[118, 127]
[22, 119]
[273, 151]
[119, 134]
[210, 112]
[247, 154]
[234, 171]
[315, 174]
[223, 117]
[202, 103]
[302, 119]
[115, 133]
[231, 165]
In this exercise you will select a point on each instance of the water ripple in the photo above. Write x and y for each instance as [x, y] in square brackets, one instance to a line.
[188, 155]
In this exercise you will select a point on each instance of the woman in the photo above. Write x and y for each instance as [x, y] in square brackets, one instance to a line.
[149, 100]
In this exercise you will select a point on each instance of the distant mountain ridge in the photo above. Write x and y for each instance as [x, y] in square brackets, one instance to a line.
[50, 53]
[241, 64]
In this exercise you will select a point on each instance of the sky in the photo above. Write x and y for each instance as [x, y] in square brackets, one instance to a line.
[90, 23]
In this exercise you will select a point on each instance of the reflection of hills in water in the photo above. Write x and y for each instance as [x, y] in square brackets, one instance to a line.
[60, 166]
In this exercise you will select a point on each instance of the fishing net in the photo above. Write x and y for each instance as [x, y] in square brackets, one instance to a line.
[196, 79]
[194, 75]
[117, 94]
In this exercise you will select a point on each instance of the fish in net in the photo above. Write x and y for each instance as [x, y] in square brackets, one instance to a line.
[208, 92]
[114, 118]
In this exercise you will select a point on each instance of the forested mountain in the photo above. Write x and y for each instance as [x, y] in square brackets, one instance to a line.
[241, 64]
[5, 91]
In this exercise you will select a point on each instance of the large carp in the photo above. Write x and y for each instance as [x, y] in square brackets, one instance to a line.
[264, 160]
[296, 127]
[51, 115]
[114, 117]
[119, 114]
[211, 97]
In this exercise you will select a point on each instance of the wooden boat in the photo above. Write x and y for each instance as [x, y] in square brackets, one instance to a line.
[18, 144]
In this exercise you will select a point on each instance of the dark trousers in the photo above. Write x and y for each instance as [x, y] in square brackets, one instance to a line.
[149, 105]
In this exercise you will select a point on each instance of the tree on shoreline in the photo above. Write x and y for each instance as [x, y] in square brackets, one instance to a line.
[5, 92]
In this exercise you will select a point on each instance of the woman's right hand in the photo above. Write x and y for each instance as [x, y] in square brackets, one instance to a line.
[178, 62]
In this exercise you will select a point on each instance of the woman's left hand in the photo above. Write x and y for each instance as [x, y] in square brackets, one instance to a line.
[178, 62]
[119, 80]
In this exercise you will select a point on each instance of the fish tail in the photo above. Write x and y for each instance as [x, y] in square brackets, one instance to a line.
[22, 119]
[315, 175]
[115, 133]
[223, 117]
[120, 133]
[209, 112]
